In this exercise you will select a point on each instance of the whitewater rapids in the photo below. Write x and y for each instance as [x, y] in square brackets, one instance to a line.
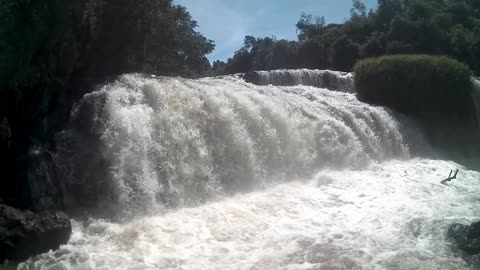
[218, 173]
[389, 216]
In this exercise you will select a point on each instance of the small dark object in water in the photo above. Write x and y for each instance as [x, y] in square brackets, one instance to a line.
[451, 176]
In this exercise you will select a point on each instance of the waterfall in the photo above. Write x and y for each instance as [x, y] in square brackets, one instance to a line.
[333, 80]
[144, 143]
[476, 98]
[163, 168]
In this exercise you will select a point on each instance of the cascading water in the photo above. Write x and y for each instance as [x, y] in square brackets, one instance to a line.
[174, 142]
[218, 173]
[476, 97]
[333, 80]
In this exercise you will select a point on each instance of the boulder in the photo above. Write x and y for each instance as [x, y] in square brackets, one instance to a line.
[467, 239]
[24, 233]
[254, 78]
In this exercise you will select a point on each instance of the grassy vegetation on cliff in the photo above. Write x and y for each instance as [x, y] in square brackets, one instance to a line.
[421, 85]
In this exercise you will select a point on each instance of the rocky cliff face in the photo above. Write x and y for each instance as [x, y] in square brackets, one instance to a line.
[24, 233]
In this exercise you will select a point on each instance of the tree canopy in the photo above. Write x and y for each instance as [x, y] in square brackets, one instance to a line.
[439, 27]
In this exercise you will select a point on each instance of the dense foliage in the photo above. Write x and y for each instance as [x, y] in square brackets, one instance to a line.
[441, 27]
[52, 51]
[415, 84]
[435, 90]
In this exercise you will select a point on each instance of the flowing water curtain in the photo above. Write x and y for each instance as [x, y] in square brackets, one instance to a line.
[476, 97]
[152, 143]
[333, 80]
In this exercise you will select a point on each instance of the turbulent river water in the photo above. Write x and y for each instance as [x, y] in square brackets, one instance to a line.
[218, 173]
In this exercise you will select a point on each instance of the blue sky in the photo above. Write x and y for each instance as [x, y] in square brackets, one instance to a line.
[227, 22]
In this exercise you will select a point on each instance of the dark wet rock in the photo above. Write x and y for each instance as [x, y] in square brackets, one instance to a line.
[24, 233]
[466, 239]
[253, 77]
[43, 185]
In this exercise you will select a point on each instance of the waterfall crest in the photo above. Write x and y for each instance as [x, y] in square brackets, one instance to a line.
[333, 80]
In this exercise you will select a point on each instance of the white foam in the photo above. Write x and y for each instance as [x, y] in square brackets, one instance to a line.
[388, 216]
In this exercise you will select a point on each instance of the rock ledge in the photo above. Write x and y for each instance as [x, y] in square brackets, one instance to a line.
[24, 233]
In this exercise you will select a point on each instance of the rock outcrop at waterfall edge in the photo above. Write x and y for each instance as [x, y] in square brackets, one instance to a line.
[24, 233]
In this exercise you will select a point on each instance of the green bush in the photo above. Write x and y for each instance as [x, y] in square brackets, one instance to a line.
[419, 85]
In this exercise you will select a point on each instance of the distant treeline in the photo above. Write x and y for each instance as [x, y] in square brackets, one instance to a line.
[439, 27]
